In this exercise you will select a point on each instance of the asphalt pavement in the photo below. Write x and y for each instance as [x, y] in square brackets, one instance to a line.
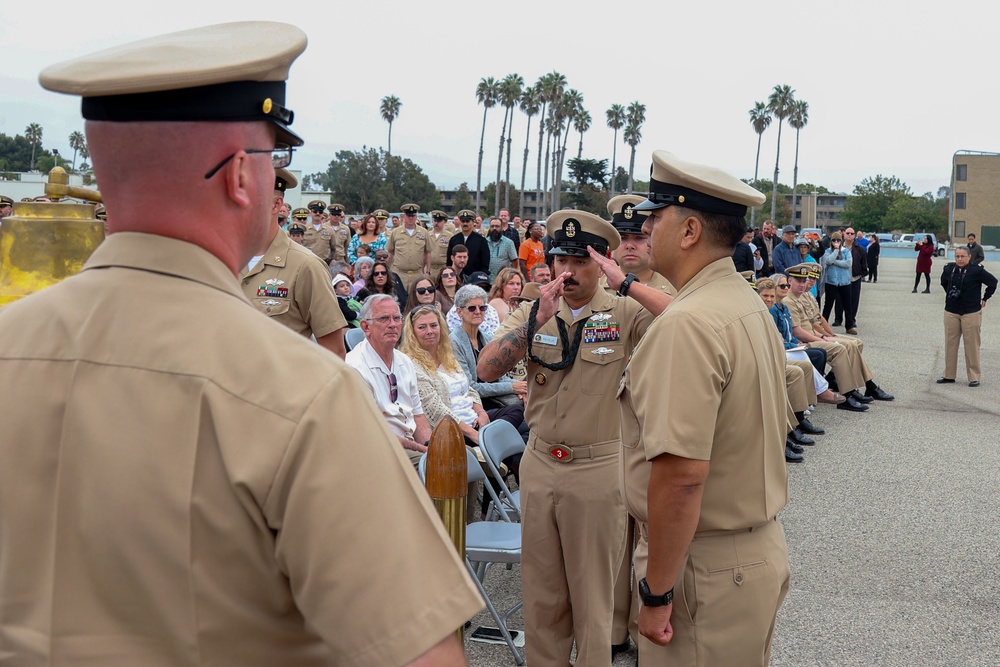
[893, 521]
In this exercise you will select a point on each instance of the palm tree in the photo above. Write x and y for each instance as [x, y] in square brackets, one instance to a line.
[555, 84]
[78, 143]
[531, 103]
[486, 94]
[33, 133]
[760, 118]
[390, 111]
[779, 103]
[581, 124]
[572, 109]
[616, 119]
[635, 117]
[797, 119]
[509, 94]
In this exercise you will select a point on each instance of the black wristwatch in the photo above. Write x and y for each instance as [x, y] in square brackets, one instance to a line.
[629, 279]
[650, 600]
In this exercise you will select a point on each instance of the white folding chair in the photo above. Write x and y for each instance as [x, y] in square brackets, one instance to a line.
[486, 543]
[498, 440]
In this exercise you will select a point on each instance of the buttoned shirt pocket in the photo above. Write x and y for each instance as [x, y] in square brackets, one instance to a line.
[597, 378]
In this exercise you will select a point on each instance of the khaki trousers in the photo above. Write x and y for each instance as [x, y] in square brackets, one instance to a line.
[844, 356]
[799, 390]
[624, 622]
[408, 276]
[572, 538]
[726, 598]
[967, 328]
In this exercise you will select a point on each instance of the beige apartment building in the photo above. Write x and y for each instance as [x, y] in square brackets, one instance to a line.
[975, 204]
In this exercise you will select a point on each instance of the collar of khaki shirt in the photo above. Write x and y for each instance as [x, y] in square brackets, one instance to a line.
[159, 254]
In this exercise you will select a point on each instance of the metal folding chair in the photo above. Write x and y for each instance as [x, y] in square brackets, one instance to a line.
[353, 338]
[486, 543]
[498, 440]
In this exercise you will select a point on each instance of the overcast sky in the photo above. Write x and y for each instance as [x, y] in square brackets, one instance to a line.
[894, 88]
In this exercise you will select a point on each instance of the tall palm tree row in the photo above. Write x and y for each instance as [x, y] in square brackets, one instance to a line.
[531, 103]
[779, 103]
[33, 133]
[390, 112]
[616, 119]
[487, 92]
[509, 94]
[797, 119]
[760, 118]
[79, 145]
[635, 116]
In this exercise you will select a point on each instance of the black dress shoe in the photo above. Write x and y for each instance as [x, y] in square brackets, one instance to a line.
[859, 397]
[807, 426]
[789, 444]
[974, 383]
[620, 648]
[852, 405]
[878, 394]
[801, 438]
[836, 324]
[792, 457]
[946, 380]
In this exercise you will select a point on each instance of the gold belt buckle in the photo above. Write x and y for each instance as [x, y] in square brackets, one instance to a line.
[561, 454]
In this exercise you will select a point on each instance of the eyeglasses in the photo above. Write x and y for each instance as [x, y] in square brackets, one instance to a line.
[448, 274]
[385, 319]
[784, 286]
[473, 309]
[281, 156]
[425, 290]
[379, 273]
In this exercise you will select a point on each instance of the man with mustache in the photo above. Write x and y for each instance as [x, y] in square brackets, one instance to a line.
[577, 339]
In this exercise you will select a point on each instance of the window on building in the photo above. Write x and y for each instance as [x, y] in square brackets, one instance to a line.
[798, 215]
[960, 229]
[959, 200]
[961, 172]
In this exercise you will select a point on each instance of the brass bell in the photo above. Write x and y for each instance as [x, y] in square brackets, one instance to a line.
[44, 242]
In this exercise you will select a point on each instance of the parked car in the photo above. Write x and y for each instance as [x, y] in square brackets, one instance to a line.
[911, 240]
[885, 238]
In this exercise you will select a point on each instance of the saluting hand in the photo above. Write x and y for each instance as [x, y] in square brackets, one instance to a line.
[610, 268]
[654, 624]
[548, 302]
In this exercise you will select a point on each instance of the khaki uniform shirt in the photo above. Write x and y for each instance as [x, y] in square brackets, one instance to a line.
[322, 242]
[575, 406]
[342, 237]
[439, 250]
[803, 309]
[293, 286]
[187, 483]
[708, 383]
[408, 249]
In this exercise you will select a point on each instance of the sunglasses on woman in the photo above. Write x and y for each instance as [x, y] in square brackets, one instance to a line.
[472, 309]
[448, 274]
[379, 273]
[425, 290]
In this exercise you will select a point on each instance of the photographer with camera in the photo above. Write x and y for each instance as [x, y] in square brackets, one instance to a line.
[963, 283]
